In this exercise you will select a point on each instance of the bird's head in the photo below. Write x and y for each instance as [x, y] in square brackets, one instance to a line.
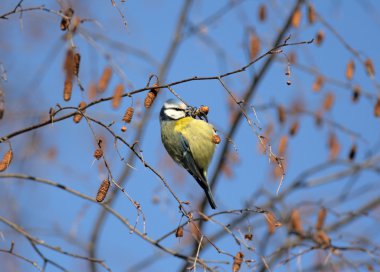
[174, 109]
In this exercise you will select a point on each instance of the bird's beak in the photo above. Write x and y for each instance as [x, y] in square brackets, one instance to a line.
[189, 111]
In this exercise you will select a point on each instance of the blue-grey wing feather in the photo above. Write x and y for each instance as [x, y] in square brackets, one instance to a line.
[190, 165]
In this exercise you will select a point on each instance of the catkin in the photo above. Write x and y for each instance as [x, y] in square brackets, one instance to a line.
[328, 101]
[179, 232]
[69, 68]
[238, 260]
[151, 96]
[294, 128]
[67, 89]
[370, 68]
[78, 115]
[128, 115]
[6, 160]
[350, 69]
[68, 65]
[105, 79]
[321, 218]
[254, 46]
[117, 95]
[296, 19]
[311, 16]
[262, 13]
[76, 63]
[318, 83]
[281, 114]
[102, 191]
[295, 221]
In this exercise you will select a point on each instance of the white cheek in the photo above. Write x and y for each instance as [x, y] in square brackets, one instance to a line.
[174, 114]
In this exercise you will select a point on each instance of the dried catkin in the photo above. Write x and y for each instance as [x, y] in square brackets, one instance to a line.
[78, 115]
[294, 128]
[254, 46]
[295, 221]
[5, 162]
[117, 95]
[296, 19]
[281, 114]
[103, 189]
[370, 68]
[151, 96]
[76, 63]
[238, 260]
[67, 89]
[321, 218]
[350, 69]
[311, 16]
[128, 115]
[262, 13]
[105, 79]
[179, 232]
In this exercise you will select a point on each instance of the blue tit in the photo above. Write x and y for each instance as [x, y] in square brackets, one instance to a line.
[188, 141]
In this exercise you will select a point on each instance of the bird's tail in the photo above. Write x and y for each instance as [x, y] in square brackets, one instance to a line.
[210, 197]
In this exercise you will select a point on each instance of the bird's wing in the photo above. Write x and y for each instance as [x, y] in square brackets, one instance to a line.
[190, 165]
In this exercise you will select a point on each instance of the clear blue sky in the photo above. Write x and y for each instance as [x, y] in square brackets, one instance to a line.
[32, 52]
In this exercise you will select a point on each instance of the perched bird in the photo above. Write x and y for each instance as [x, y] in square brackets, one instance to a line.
[188, 141]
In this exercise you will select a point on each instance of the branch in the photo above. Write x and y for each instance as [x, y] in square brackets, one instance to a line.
[247, 97]
[106, 207]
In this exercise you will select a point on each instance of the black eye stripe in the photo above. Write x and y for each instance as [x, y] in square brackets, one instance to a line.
[176, 109]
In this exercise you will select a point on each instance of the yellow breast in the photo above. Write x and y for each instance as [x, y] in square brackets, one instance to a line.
[181, 124]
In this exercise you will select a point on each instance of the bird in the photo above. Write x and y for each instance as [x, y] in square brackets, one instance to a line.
[188, 141]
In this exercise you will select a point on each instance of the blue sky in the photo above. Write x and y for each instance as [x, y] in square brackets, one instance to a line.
[32, 51]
